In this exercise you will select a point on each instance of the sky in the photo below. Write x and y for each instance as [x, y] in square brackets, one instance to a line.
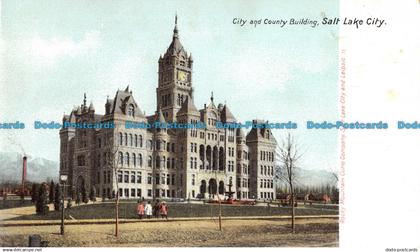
[54, 51]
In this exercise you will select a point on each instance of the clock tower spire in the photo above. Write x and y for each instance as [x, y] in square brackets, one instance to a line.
[175, 77]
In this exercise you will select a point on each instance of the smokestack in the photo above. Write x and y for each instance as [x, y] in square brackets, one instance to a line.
[23, 176]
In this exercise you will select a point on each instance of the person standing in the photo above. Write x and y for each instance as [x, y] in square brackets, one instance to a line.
[148, 210]
[140, 210]
[156, 209]
[164, 210]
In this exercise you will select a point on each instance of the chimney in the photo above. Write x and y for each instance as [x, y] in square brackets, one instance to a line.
[23, 176]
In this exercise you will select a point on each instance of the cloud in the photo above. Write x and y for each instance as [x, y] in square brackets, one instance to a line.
[50, 51]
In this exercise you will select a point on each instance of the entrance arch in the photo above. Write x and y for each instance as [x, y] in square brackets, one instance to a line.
[212, 186]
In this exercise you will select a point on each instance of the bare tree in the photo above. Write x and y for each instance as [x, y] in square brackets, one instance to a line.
[288, 156]
[113, 162]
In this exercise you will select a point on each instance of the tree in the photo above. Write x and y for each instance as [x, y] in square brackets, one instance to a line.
[52, 191]
[92, 195]
[34, 193]
[288, 157]
[112, 162]
[43, 199]
[57, 198]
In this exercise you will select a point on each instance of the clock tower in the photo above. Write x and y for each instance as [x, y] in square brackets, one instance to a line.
[175, 82]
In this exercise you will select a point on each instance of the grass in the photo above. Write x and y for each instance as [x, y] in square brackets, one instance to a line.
[127, 210]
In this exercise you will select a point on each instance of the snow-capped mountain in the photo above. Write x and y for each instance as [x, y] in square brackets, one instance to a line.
[38, 169]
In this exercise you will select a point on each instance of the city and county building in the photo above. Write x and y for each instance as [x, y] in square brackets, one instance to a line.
[158, 162]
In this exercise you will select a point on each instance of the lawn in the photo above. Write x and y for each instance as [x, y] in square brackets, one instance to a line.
[127, 210]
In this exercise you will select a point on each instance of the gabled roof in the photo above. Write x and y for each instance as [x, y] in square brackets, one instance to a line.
[188, 107]
[227, 115]
[122, 100]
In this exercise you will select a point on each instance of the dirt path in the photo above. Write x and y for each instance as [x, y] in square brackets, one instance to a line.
[248, 233]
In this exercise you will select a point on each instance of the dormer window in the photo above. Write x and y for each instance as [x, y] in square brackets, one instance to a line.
[131, 110]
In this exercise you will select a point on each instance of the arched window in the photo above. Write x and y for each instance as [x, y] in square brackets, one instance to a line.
[157, 162]
[131, 139]
[127, 158]
[126, 139]
[140, 160]
[149, 161]
[120, 158]
[135, 140]
[131, 110]
[140, 141]
[134, 159]
[121, 138]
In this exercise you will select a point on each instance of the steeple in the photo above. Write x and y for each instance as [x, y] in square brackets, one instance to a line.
[175, 77]
[176, 27]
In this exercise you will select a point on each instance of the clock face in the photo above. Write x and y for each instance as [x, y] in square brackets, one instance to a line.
[182, 76]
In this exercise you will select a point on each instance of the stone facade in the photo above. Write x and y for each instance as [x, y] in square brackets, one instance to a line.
[166, 163]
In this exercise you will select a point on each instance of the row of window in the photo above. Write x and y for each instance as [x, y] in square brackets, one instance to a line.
[266, 195]
[244, 169]
[231, 166]
[231, 152]
[244, 184]
[267, 170]
[243, 155]
[136, 178]
[267, 156]
[137, 161]
[130, 140]
[266, 183]
[137, 193]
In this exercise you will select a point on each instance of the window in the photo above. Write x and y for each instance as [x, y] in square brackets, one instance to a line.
[120, 158]
[140, 141]
[127, 158]
[149, 193]
[157, 179]
[139, 177]
[121, 138]
[125, 139]
[139, 193]
[140, 160]
[126, 174]
[133, 178]
[135, 140]
[157, 162]
[131, 139]
[131, 110]
[173, 179]
[134, 159]
[149, 178]
[133, 192]
[193, 179]
[168, 179]
[120, 176]
[149, 161]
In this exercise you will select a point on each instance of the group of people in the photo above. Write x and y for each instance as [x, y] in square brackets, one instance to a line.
[158, 209]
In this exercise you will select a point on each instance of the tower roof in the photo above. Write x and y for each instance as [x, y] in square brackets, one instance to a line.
[188, 107]
[159, 117]
[175, 47]
[227, 115]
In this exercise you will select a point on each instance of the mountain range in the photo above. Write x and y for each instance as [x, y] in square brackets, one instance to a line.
[38, 169]
[41, 169]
